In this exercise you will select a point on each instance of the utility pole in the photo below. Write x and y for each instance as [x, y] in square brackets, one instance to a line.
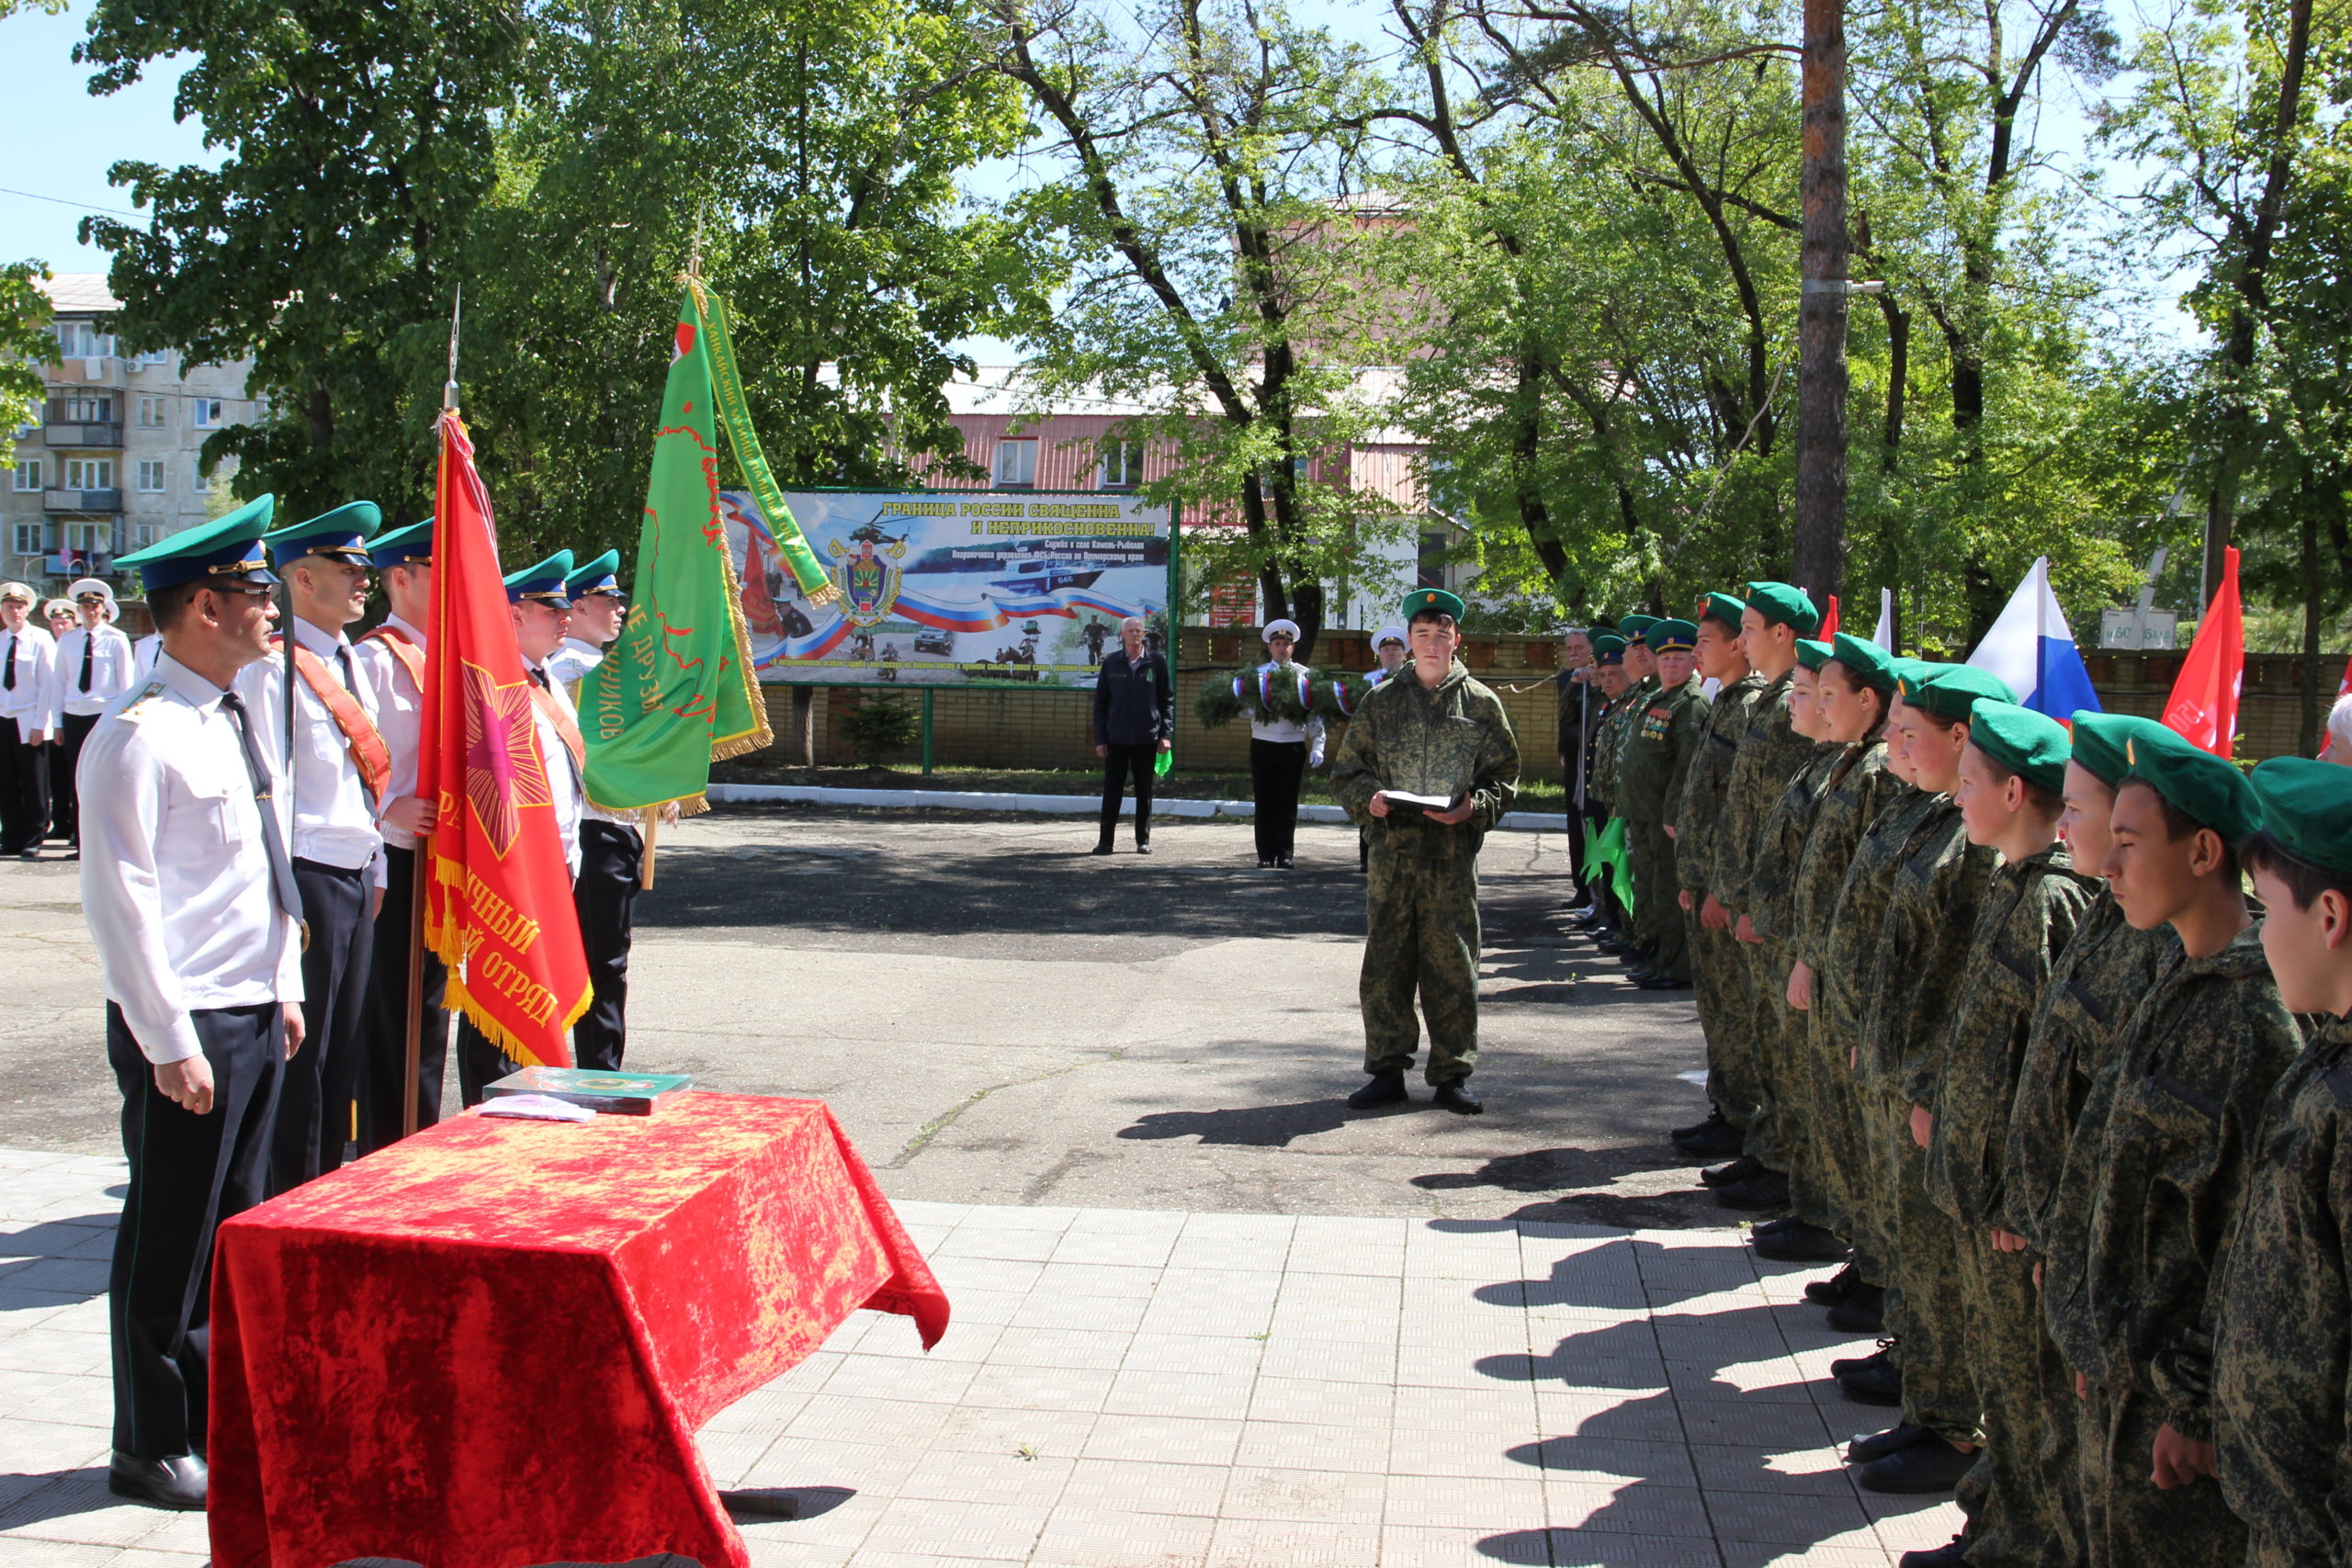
[1820, 564]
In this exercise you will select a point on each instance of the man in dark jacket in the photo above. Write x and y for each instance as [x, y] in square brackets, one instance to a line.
[1134, 706]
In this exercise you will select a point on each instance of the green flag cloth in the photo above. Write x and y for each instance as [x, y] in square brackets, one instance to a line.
[1606, 848]
[677, 689]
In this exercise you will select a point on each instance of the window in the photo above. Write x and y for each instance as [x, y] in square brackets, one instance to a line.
[1122, 465]
[142, 535]
[151, 414]
[82, 340]
[81, 408]
[1016, 463]
[89, 473]
[151, 476]
[28, 539]
[153, 358]
[208, 413]
[27, 474]
[89, 538]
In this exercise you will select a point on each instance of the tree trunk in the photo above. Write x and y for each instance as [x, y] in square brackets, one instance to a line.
[2314, 614]
[1820, 557]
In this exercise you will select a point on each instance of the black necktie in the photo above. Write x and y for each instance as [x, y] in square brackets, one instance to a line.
[281, 869]
[8, 682]
[89, 646]
[343, 658]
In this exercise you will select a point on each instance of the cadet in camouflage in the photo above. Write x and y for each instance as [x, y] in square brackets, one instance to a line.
[1431, 730]
[2282, 1351]
[1663, 735]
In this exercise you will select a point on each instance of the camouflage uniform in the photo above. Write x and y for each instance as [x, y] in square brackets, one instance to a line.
[1938, 891]
[1663, 734]
[2150, 1194]
[2077, 1023]
[2282, 1360]
[1715, 963]
[1771, 910]
[1826, 1190]
[1770, 753]
[1422, 891]
[2028, 916]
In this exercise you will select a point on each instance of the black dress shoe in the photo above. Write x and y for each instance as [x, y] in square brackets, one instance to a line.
[175, 1483]
[1660, 983]
[1880, 1384]
[1265, 863]
[1927, 1466]
[1767, 1190]
[1878, 1445]
[1864, 1311]
[1801, 1244]
[1102, 849]
[1385, 1089]
[1720, 1142]
[1143, 846]
[1763, 1228]
[1882, 1356]
[1837, 1288]
[1281, 862]
[1737, 1171]
[1454, 1097]
[1699, 1129]
[1611, 945]
[1953, 1554]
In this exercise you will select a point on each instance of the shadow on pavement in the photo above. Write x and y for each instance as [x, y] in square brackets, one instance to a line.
[1257, 1126]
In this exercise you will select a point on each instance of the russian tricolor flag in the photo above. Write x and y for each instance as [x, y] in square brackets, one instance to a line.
[2031, 649]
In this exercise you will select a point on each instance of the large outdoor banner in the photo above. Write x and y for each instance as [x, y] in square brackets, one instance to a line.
[952, 587]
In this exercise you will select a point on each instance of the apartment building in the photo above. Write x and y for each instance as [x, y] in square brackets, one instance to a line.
[112, 465]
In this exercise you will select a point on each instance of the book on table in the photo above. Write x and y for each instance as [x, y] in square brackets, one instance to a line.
[619, 1094]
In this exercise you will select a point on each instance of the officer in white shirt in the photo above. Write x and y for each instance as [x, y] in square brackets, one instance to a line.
[392, 661]
[26, 656]
[612, 846]
[143, 655]
[190, 897]
[541, 611]
[92, 666]
[339, 767]
[1280, 750]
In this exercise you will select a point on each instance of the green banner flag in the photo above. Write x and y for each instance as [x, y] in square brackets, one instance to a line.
[677, 691]
[1605, 855]
[816, 583]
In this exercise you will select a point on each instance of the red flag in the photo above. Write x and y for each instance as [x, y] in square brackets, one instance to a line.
[2346, 689]
[1828, 622]
[2204, 702]
[499, 900]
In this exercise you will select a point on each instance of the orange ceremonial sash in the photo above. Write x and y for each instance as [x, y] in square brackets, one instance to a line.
[412, 657]
[360, 736]
[573, 742]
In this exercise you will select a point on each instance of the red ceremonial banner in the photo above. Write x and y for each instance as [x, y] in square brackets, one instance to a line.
[1828, 621]
[2204, 702]
[498, 905]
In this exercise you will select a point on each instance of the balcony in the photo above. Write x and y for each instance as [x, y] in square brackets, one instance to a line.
[97, 501]
[103, 437]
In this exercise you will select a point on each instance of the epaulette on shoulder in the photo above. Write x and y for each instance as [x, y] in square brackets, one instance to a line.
[143, 703]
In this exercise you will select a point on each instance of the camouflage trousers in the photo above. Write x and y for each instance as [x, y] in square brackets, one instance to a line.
[1839, 1164]
[2064, 1418]
[1658, 909]
[1938, 1393]
[1719, 977]
[1776, 1133]
[1422, 941]
[2131, 1523]
[2010, 1519]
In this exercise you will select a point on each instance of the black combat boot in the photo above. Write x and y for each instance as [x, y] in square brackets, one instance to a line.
[1386, 1088]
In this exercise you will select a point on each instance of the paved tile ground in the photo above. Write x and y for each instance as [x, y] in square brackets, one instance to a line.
[1144, 1389]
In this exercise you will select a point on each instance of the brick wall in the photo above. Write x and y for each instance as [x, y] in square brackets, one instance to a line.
[990, 728]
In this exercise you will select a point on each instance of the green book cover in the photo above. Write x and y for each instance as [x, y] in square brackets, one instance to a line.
[626, 1094]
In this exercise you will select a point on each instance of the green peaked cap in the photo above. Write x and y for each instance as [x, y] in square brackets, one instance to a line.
[1812, 654]
[1636, 629]
[1954, 691]
[1608, 647]
[2307, 807]
[1792, 606]
[2207, 790]
[226, 546]
[1725, 608]
[540, 580]
[1438, 598]
[2099, 739]
[402, 546]
[340, 535]
[2031, 745]
[1672, 637]
[1870, 663]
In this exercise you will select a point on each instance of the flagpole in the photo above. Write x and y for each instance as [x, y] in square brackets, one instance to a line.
[645, 866]
[414, 1068]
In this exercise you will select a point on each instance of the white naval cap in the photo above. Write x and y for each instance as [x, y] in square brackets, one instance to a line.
[1280, 628]
[1390, 634]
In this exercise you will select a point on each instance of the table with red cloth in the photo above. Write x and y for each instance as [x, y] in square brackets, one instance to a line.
[490, 1345]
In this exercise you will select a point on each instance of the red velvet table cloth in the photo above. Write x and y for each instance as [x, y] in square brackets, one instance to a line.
[490, 1345]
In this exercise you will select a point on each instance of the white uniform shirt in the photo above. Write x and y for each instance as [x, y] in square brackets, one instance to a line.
[335, 824]
[569, 665]
[399, 708]
[1282, 730]
[111, 673]
[143, 655]
[175, 869]
[564, 778]
[32, 654]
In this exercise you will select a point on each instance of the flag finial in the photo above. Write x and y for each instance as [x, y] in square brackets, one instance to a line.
[449, 387]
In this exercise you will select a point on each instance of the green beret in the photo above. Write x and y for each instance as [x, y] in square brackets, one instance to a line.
[1672, 637]
[1953, 691]
[2207, 790]
[2307, 807]
[2031, 745]
[1870, 663]
[1608, 649]
[1812, 654]
[1636, 629]
[1912, 671]
[1723, 607]
[2099, 739]
[1791, 607]
[1438, 598]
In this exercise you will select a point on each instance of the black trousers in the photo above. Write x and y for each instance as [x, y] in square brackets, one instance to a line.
[1576, 835]
[24, 790]
[384, 1085]
[65, 807]
[606, 898]
[187, 1174]
[1118, 763]
[314, 1107]
[1275, 769]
